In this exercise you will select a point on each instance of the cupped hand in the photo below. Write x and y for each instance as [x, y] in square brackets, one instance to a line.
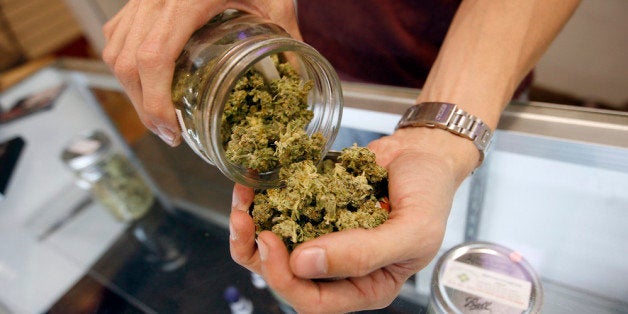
[369, 267]
[145, 38]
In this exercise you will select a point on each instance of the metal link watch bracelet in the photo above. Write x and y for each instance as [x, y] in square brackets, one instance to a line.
[451, 118]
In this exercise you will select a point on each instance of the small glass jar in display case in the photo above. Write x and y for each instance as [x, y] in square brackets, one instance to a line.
[109, 175]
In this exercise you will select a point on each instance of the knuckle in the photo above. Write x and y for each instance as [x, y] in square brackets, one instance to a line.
[109, 55]
[125, 68]
[149, 57]
[155, 111]
[108, 28]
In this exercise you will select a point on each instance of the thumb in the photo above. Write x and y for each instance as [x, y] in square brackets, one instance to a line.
[358, 252]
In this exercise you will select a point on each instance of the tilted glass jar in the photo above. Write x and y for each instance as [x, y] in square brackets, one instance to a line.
[216, 56]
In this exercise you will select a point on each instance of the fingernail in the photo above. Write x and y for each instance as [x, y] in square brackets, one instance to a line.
[312, 262]
[236, 203]
[263, 249]
[232, 233]
[166, 135]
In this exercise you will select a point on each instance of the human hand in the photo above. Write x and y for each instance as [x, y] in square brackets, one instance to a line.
[425, 167]
[145, 38]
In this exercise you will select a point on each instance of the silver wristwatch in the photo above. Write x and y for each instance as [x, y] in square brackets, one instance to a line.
[451, 118]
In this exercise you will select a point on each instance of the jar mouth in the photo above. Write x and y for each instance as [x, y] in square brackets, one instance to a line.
[324, 100]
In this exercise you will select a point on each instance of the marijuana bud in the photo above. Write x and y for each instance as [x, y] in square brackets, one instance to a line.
[263, 123]
[337, 195]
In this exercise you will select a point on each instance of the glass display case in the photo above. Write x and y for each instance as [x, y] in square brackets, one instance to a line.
[553, 188]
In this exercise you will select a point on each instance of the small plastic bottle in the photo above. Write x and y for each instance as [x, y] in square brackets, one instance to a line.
[238, 303]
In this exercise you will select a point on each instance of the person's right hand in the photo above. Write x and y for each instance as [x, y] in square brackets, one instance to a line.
[145, 38]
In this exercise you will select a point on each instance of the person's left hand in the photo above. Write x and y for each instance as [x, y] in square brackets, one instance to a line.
[369, 267]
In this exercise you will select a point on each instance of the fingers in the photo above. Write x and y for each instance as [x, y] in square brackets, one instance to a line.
[242, 241]
[128, 10]
[124, 34]
[242, 229]
[242, 197]
[373, 291]
[116, 32]
[280, 12]
[143, 41]
[375, 287]
[408, 239]
[270, 258]
[156, 57]
[356, 253]
[274, 258]
[145, 38]
[283, 13]
[125, 65]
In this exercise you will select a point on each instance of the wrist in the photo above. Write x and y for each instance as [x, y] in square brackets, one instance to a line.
[449, 117]
[456, 155]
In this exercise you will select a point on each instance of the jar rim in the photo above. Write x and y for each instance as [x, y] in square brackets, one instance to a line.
[230, 68]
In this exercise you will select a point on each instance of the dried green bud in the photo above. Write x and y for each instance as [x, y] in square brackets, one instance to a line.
[263, 124]
[360, 160]
[318, 200]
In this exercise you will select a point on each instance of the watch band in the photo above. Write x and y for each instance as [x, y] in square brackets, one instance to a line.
[451, 118]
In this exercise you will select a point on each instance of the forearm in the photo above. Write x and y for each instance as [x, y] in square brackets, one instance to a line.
[491, 45]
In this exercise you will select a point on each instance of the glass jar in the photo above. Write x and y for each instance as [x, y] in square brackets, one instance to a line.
[217, 56]
[109, 175]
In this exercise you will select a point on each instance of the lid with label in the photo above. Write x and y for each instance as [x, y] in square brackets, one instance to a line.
[483, 277]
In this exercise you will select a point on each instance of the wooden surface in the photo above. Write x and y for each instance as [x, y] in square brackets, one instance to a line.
[121, 111]
[41, 26]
